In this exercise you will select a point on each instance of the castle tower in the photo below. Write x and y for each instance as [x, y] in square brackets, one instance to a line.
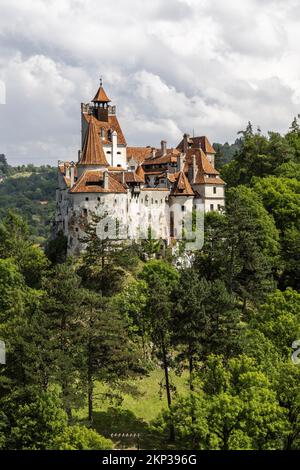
[101, 101]
[93, 156]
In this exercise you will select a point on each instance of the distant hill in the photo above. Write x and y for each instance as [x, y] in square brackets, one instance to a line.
[31, 192]
[226, 152]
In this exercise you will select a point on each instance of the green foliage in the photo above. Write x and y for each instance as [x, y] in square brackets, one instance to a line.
[81, 438]
[279, 320]
[234, 408]
[33, 419]
[30, 191]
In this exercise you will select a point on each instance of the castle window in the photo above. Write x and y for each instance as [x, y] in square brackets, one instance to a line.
[182, 208]
[215, 190]
[86, 198]
[119, 153]
[98, 199]
[211, 207]
[76, 229]
[85, 212]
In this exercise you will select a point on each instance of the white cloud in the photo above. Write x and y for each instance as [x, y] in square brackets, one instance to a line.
[171, 66]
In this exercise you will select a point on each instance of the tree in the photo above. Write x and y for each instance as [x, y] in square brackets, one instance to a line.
[81, 438]
[241, 247]
[279, 320]
[281, 198]
[33, 420]
[15, 243]
[287, 388]
[235, 408]
[56, 249]
[258, 155]
[206, 319]
[4, 167]
[99, 270]
[162, 279]
[63, 305]
[109, 352]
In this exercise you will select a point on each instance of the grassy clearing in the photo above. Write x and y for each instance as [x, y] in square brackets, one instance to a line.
[142, 401]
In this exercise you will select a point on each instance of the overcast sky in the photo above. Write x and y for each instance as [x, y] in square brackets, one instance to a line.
[170, 66]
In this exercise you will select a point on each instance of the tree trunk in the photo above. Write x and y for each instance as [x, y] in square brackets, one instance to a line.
[90, 384]
[191, 368]
[168, 389]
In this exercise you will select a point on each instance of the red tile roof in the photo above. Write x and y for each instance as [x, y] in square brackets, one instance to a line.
[204, 179]
[93, 153]
[140, 172]
[111, 125]
[198, 142]
[202, 162]
[182, 186]
[138, 154]
[170, 157]
[92, 181]
[101, 96]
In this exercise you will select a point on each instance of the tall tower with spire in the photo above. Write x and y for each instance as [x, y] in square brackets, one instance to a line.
[107, 128]
[101, 101]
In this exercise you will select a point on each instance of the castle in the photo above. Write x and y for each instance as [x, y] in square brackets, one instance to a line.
[141, 187]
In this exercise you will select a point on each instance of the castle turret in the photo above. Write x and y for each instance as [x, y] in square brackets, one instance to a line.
[93, 154]
[101, 101]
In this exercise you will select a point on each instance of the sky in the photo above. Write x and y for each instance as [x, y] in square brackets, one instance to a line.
[170, 66]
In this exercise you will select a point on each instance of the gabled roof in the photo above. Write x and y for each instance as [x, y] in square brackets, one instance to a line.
[197, 143]
[205, 179]
[93, 153]
[170, 157]
[101, 96]
[111, 125]
[138, 154]
[202, 162]
[129, 177]
[140, 173]
[92, 181]
[182, 186]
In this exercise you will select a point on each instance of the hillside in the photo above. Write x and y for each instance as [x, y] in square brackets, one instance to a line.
[31, 192]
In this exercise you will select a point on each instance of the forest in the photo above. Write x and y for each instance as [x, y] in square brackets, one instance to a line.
[187, 357]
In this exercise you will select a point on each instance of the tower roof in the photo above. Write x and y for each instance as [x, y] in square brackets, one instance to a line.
[93, 153]
[101, 96]
[182, 186]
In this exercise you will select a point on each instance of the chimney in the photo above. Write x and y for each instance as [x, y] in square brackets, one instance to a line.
[114, 138]
[123, 177]
[105, 179]
[185, 142]
[67, 170]
[180, 162]
[194, 169]
[79, 155]
[72, 174]
[163, 147]
[153, 152]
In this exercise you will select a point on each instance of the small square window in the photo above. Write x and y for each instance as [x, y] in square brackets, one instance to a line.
[86, 198]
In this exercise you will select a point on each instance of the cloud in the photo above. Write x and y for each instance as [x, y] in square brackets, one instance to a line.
[171, 66]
